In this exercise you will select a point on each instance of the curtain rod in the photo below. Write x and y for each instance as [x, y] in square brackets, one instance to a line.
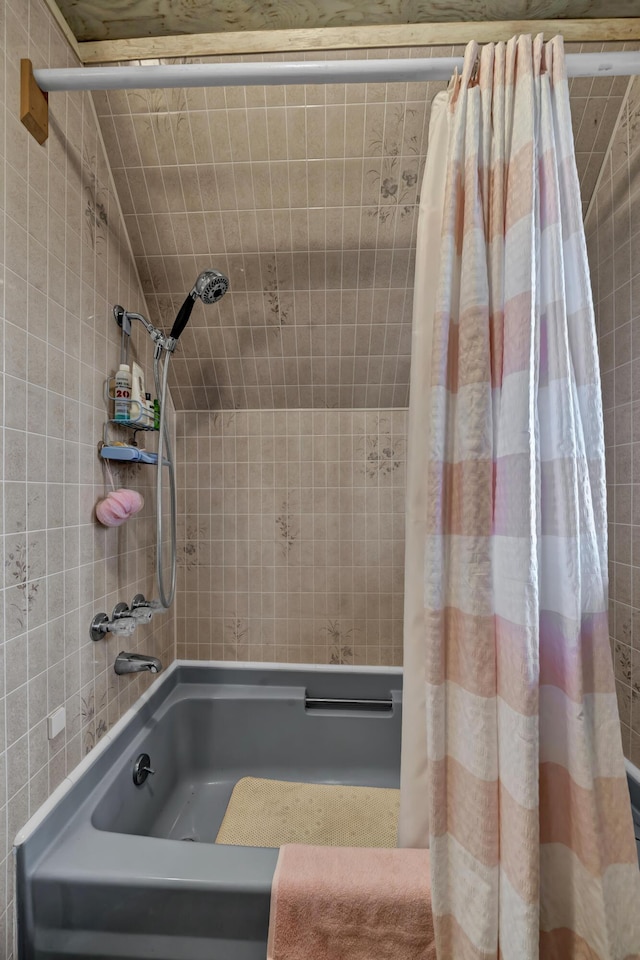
[614, 64]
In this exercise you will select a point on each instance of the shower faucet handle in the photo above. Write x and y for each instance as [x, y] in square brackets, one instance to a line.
[142, 614]
[140, 603]
[123, 627]
[122, 617]
[119, 626]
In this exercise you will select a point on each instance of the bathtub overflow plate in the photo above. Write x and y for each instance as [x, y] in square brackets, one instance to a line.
[142, 769]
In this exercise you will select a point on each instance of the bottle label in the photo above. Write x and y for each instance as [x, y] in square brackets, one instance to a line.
[122, 393]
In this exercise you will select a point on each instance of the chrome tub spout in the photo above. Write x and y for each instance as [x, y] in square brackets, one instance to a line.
[136, 663]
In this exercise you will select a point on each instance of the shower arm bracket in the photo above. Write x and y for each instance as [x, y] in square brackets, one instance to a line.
[123, 318]
[168, 344]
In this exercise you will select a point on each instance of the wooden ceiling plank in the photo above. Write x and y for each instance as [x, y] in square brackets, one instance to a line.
[91, 20]
[353, 38]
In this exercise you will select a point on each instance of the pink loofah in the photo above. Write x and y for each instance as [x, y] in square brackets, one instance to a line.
[119, 506]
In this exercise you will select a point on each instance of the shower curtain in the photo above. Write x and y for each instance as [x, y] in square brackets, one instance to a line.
[526, 810]
[413, 827]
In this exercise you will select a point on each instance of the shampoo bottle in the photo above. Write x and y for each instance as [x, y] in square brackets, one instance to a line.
[122, 394]
[138, 407]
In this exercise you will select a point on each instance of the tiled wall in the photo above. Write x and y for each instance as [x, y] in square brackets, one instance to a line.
[64, 260]
[595, 105]
[292, 535]
[613, 243]
[307, 197]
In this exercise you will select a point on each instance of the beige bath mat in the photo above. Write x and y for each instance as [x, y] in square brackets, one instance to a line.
[270, 813]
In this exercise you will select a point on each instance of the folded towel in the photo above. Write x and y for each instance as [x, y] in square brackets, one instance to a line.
[344, 903]
[118, 506]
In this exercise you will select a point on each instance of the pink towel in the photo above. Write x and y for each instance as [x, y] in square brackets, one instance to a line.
[346, 903]
[118, 506]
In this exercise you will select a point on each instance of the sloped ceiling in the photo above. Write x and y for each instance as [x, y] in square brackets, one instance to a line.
[119, 19]
[307, 198]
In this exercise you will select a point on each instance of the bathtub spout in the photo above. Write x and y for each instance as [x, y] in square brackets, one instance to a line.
[136, 663]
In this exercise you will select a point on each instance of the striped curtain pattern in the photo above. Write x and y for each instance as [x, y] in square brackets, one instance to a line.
[532, 848]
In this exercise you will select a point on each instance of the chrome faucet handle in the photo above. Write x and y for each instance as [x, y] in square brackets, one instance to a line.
[142, 614]
[140, 603]
[121, 626]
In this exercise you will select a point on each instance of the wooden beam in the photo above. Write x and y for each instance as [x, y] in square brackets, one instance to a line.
[34, 104]
[352, 38]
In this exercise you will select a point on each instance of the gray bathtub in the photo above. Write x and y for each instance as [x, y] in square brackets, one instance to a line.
[633, 779]
[112, 870]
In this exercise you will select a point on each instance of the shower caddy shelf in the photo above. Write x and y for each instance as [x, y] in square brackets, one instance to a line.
[108, 449]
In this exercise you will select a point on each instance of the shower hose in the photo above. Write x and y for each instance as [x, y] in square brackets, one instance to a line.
[165, 458]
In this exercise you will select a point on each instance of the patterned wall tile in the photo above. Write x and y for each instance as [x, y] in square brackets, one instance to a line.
[307, 198]
[292, 535]
[613, 230]
[64, 260]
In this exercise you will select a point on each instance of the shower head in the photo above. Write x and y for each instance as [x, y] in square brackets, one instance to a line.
[210, 287]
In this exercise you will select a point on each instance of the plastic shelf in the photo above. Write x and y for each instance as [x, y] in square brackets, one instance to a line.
[131, 454]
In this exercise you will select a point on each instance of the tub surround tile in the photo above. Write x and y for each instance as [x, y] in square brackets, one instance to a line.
[616, 289]
[292, 535]
[64, 260]
[307, 197]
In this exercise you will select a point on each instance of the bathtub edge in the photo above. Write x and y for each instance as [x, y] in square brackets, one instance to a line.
[91, 758]
[632, 771]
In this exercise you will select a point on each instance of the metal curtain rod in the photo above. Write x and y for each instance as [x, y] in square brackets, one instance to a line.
[618, 64]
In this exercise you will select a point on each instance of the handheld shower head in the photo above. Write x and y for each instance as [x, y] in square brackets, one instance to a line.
[210, 287]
